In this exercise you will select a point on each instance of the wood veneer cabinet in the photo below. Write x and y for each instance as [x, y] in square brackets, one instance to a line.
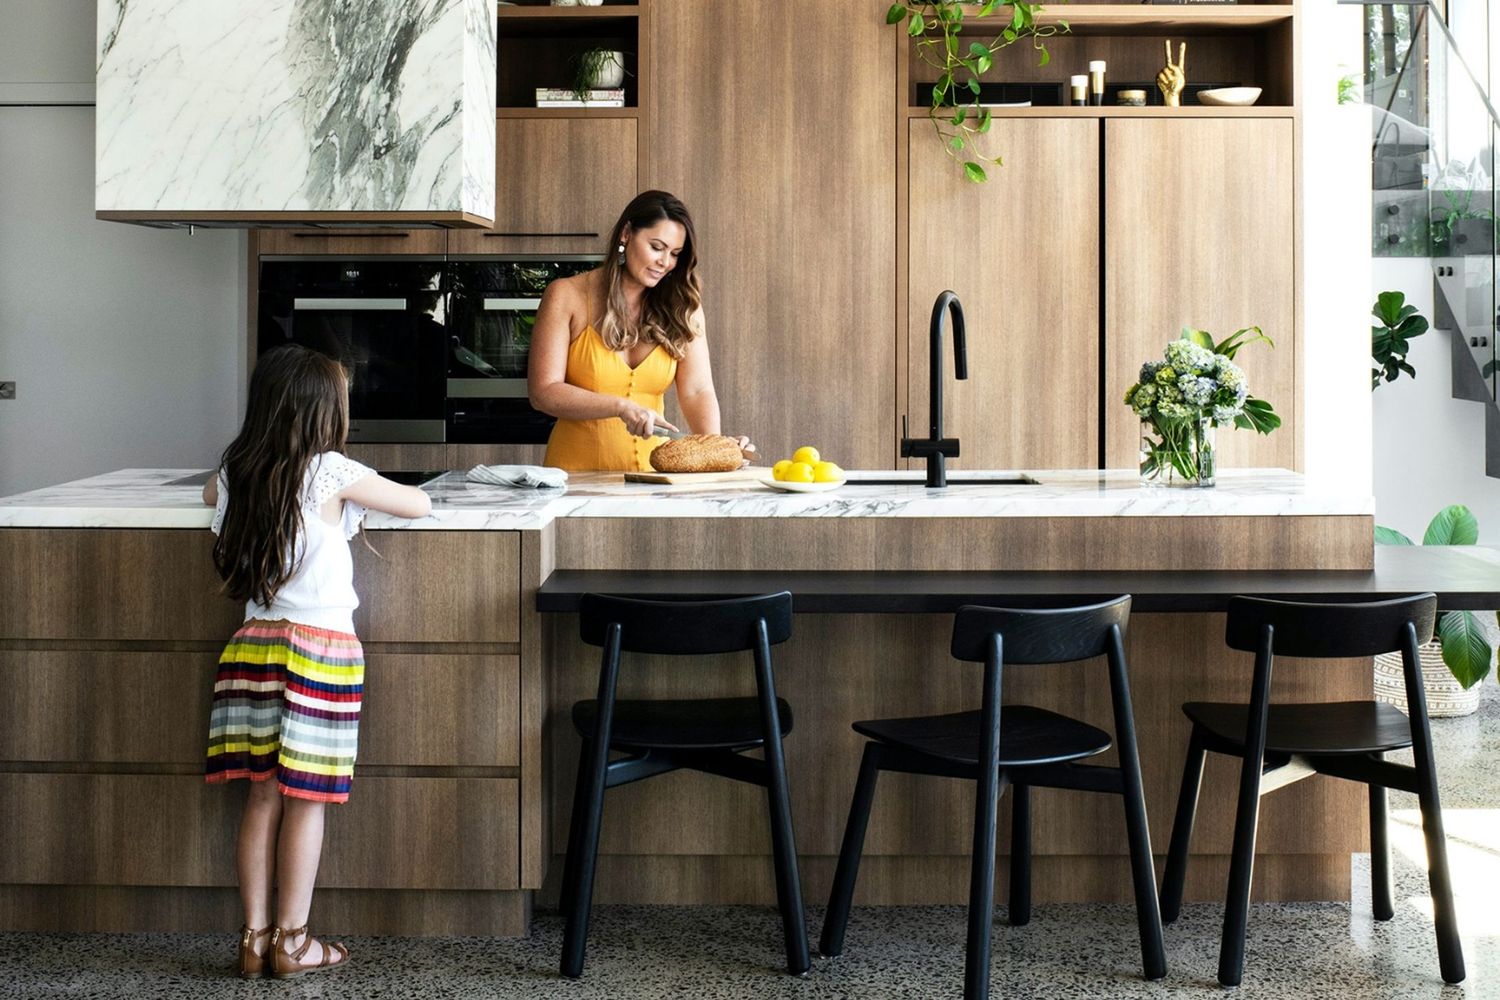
[562, 184]
[775, 123]
[1021, 253]
[110, 650]
[1199, 232]
[350, 243]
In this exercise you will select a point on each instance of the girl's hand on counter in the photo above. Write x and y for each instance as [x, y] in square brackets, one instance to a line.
[640, 421]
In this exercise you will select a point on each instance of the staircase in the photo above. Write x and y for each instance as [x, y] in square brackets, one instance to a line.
[1434, 152]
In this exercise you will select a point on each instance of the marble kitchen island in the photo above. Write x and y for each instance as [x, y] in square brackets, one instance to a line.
[111, 625]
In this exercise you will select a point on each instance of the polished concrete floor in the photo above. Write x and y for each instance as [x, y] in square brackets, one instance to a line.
[1303, 950]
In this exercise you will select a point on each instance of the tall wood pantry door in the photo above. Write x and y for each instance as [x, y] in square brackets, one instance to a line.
[1021, 250]
[1199, 233]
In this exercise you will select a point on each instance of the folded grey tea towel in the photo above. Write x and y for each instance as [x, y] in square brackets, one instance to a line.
[518, 475]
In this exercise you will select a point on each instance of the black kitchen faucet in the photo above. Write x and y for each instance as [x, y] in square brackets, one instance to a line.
[935, 448]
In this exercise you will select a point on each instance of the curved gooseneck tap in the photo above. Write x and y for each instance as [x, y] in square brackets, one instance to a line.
[937, 448]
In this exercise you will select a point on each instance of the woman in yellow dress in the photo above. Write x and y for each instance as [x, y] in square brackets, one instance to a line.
[609, 343]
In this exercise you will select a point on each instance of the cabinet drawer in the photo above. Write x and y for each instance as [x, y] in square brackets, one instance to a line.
[438, 586]
[352, 242]
[140, 707]
[561, 184]
[148, 829]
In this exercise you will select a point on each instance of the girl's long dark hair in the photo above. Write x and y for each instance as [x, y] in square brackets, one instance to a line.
[666, 310]
[298, 409]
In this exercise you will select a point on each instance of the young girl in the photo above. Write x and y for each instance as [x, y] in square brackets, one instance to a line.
[287, 697]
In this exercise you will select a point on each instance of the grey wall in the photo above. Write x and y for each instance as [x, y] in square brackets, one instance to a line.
[126, 343]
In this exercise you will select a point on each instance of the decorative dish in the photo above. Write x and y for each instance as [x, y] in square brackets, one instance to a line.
[1234, 97]
[787, 487]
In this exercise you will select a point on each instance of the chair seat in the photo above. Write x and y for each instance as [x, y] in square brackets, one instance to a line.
[1028, 736]
[1340, 727]
[682, 724]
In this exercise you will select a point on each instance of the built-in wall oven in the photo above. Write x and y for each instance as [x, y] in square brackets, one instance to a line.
[493, 305]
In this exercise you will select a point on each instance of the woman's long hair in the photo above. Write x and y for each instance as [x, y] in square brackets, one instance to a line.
[666, 310]
[298, 409]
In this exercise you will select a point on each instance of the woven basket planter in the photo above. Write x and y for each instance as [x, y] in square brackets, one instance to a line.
[1446, 698]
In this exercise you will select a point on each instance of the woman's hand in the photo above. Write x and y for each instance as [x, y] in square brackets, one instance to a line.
[746, 448]
[640, 421]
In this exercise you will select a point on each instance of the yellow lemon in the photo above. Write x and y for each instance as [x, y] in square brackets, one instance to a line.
[827, 472]
[799, 472]
[778, 471]
[806, 454]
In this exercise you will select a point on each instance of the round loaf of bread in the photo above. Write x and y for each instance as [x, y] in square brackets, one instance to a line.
[698, 453]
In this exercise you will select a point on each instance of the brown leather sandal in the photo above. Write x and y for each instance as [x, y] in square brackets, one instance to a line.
[252, 966]
[289, 964]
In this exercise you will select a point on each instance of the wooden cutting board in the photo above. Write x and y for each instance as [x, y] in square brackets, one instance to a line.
[751, 475]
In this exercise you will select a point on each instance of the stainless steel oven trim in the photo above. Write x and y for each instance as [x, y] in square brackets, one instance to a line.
[487, 388]
[350, 304]
[405, 431]
[494, 304]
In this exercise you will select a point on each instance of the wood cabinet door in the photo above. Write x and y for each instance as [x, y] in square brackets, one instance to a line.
[1199, 233]
[783, 146]
[560, 184]
[1020, 250]
[350, 242]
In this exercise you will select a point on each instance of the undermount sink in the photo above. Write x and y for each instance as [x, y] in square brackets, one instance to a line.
[954, 479]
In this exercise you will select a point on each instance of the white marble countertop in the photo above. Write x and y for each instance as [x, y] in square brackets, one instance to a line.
[146, 498]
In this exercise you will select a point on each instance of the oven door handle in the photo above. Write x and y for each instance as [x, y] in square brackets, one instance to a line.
[348, 305]
[494, 304]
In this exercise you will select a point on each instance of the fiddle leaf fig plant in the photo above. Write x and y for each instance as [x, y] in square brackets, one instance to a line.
[1390, 341]
[1466, 647]
[955, 112]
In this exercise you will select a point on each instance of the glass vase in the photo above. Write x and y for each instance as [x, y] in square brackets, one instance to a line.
[1177, 453]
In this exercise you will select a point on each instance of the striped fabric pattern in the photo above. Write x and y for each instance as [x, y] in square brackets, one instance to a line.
[286, 705]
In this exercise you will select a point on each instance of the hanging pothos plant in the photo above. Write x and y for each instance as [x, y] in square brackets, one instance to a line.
[955, 112]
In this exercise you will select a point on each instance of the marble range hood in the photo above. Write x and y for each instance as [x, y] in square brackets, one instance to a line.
[339, 113]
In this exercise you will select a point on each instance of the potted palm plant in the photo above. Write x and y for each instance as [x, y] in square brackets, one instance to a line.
[1459, 655]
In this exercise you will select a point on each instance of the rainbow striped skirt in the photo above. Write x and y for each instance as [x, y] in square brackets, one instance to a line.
[286, 705]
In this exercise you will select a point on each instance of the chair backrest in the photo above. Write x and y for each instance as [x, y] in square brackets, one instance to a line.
[1031, 635]
[1329, 630]
[685, 627]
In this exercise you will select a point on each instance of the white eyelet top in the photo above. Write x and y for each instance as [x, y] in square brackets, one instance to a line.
[320, 591]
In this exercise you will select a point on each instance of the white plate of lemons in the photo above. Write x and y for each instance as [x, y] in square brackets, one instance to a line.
[805, 472]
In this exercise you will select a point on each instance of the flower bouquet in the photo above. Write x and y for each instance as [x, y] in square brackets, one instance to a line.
[1184, 397]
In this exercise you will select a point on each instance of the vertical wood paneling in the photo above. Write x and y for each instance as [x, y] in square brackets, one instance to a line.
[1198, 232]
[774, 122]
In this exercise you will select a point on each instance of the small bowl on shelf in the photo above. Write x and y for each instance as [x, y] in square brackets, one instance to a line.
[1230, 97]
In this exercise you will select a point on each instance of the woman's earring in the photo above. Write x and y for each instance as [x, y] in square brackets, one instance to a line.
[621, 258]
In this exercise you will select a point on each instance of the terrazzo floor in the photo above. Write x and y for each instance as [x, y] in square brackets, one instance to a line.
[1301, 950]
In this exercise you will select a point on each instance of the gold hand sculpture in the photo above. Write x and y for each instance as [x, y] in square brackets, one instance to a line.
[1173, 77]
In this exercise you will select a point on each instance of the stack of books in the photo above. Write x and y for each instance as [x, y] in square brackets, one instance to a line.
[562, 97]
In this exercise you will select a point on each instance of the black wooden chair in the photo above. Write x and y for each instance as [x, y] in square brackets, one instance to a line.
[1017, 746]
[1282, 744]
[664, 735]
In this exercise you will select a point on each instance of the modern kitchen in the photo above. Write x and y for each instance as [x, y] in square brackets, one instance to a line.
[1038, 451]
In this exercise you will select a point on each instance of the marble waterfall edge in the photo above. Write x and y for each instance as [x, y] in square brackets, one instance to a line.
[296, 105]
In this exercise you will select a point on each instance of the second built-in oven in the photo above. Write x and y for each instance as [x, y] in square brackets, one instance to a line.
[492, 310]
[384, 319]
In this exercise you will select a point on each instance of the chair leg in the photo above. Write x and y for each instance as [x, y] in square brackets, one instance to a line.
[1445, 915]
[842, 894]
[1020, 855]
[1143, 875]
[575, 828]
[1380, 856]
[1241, 866]
[788, 880]
[1175, 876]
[576, 930]
[982, 888]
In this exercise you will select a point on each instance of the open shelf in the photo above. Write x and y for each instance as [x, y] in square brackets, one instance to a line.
[538, 46]
[1116, 111]
[535, 21]
[1147, 19]
[630, 112]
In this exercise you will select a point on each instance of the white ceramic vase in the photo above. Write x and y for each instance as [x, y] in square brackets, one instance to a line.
[1446, 698]
[611, 71]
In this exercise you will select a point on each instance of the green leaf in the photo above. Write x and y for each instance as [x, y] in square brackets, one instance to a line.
[1009, 34]
[1238, 339]
[916, 25]
[1200, 337]
[983, 63]
[1390, 536]
[974, 86]
[896, 13]
[978, 49]
[1046, 57]
[1465, 649]
[957, 143]
[1388, 307]
[1018, 16]
[974, 172]
[1453, 525]
[984, 120]
[1258, 416]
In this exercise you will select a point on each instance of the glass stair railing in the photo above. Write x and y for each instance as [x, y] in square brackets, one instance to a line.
[1433, 144]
